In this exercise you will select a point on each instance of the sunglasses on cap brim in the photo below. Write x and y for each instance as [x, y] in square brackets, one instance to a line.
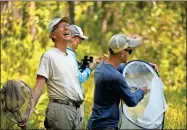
[128, 50]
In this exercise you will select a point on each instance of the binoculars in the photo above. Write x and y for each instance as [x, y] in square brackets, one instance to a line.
[85, 63]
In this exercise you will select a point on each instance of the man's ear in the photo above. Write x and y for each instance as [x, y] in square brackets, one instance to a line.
[52, 35]
[121, 54]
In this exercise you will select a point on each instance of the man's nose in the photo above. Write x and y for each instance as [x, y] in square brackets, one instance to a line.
[67, 27]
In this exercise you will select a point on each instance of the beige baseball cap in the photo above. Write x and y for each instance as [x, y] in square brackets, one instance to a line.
[119, 42]
[77, 31]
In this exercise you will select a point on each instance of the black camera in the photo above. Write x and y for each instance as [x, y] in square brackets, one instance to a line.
[85, 63]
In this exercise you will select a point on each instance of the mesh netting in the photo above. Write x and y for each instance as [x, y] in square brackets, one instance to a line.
[149, 111]
[16, 100]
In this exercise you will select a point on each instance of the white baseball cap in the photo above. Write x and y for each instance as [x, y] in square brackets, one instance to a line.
[55, 22]
[77, 31]
[120, 42]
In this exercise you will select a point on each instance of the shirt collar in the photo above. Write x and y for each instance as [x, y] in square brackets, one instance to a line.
[70, 49]
[65, 54]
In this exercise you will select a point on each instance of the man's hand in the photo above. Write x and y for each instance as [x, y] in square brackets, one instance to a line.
[102, 57]
[22, 125]
[155, 67]
[92, 65]
[145, 89]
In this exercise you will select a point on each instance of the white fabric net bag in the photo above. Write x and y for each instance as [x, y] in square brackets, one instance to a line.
[149, 112]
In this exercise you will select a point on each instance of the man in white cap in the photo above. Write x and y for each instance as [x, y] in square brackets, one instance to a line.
[110, 85]
[58, 70]
[76, 37]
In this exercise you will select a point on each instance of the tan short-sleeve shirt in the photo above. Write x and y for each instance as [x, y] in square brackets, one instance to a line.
[61, 73]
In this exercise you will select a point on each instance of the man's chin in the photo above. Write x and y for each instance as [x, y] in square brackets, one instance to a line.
[67, 40]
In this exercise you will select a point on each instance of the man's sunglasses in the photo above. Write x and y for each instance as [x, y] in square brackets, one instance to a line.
[129, 51]
[60, 26]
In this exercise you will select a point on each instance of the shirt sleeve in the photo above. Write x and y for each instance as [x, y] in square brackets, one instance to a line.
[121, 67]
[83, 76]
[131, 99]
[44, 68]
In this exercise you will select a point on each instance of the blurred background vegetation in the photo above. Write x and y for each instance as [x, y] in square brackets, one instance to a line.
[24, 38]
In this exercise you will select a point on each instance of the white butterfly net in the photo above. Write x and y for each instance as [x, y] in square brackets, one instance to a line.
[149, 112]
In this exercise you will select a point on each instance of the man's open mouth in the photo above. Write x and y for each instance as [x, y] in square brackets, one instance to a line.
[66, 34]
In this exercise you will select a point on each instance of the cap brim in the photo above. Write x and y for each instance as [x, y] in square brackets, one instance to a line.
[134, 42]
[66, 19]
[83, 37]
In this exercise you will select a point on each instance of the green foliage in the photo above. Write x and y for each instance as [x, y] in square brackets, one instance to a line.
[24, 38]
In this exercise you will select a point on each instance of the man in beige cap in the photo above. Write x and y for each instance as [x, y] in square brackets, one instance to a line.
[58, 70]
[110, 85]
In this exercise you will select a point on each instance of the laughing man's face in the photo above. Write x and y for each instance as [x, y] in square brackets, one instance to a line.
[61, 32]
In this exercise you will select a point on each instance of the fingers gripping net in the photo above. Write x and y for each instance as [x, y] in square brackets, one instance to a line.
[16, 100]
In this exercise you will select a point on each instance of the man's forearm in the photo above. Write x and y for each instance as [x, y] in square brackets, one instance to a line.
[36, 94]
[83, 76]
[38, 89]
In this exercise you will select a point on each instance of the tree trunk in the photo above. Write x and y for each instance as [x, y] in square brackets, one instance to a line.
[24, 20]
[95, 6]
[3, 5]
[141, 4]
[106, 15]
[71, 11]
[32, 20]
